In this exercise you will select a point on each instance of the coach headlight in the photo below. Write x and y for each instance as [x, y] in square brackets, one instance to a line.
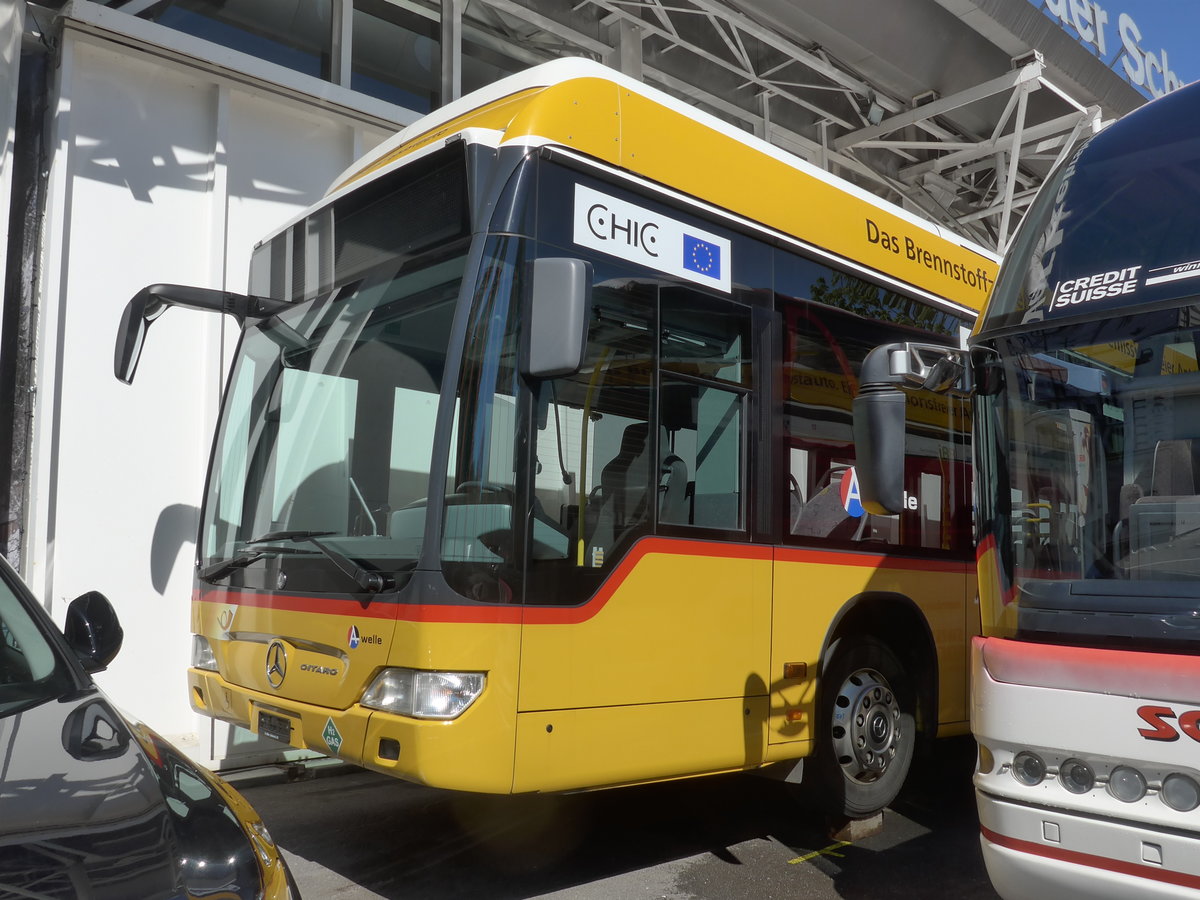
[202, 654]
[424, 695]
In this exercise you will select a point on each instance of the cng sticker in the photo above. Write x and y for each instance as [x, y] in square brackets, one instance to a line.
[333, 737]
[851, 500]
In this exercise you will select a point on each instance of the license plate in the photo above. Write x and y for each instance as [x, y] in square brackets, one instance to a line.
[276, 727]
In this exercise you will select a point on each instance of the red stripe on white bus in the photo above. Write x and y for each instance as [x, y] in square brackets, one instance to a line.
[1122, 673]
[1136, 870]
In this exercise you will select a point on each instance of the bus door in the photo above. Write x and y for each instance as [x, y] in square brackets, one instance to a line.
[644, 650]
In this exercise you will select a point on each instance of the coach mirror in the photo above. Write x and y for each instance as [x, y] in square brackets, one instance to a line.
[558, 308]
[879, 448]
[879, 415]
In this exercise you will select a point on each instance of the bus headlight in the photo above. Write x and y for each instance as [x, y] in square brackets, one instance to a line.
[1028, 768]
[1077, 776]
[1127, 784]
[202, 654]
[1180, 792]
[424, 695]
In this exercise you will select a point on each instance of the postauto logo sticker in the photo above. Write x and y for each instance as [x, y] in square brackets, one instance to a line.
[355, 638]
[851, 499]
[648, 238]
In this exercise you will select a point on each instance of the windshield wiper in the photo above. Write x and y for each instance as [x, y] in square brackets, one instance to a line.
[225, 567]
[371, 582]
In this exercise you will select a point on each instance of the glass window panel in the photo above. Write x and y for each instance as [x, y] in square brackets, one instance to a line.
[484, 65]
[291, 33]
[702, 473]
[702, 464]
[395, 55]
[479, 541]
[312, 480]
[594, 473]
[826, 343]
[705, 339]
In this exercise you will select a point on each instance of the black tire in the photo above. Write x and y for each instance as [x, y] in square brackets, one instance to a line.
[866, 729]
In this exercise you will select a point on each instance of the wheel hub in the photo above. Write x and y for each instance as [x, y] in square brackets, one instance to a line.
[866, 725]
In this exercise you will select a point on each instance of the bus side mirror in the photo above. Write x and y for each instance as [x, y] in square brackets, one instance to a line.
[557, 314]
[879, 448]
[152, 301]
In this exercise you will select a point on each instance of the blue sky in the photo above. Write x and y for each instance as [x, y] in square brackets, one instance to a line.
[1170, 26]
[1173, 25]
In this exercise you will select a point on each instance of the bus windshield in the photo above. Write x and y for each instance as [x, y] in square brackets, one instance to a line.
[328, 426]
[1090, 445]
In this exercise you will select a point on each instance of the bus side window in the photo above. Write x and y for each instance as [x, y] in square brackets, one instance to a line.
[819, 371]
[594, 476]
[621, 499]
[825, 343]
[704, 391]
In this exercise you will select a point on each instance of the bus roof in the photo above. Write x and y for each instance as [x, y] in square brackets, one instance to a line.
[599, 113]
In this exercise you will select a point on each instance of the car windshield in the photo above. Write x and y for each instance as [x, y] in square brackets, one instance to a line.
[31, 671]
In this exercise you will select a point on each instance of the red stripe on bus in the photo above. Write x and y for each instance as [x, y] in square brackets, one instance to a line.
[987, 545]
[1136, 870]
[573, 615]
[872, 561]
[291, 603]
[551, 615]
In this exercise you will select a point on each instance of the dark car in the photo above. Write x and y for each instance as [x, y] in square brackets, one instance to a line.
[94, 804]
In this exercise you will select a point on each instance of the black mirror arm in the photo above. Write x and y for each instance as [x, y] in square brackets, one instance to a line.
[915, 365]
[152, 301]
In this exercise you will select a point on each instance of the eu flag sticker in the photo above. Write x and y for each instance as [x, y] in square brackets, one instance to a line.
[701, 256]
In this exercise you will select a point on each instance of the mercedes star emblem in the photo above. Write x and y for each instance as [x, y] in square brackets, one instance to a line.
[276, 664]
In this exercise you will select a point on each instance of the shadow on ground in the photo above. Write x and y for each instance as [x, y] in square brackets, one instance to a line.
[718, 837]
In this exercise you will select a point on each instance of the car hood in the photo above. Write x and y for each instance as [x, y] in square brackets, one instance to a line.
[94, 805]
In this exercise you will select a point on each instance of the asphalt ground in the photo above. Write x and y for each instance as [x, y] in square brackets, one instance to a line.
[354, 835]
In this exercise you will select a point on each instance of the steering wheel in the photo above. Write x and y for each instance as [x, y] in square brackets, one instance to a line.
[483, 487]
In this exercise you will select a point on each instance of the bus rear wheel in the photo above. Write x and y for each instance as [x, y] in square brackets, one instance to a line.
[867, 728]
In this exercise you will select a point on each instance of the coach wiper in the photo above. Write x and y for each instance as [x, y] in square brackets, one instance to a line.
[152, 301]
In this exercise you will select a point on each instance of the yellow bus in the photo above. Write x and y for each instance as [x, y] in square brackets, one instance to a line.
[535, 468]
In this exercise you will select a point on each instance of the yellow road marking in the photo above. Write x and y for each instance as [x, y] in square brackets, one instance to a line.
[828, 851]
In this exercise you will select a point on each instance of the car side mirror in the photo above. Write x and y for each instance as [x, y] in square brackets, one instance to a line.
[93, 631]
